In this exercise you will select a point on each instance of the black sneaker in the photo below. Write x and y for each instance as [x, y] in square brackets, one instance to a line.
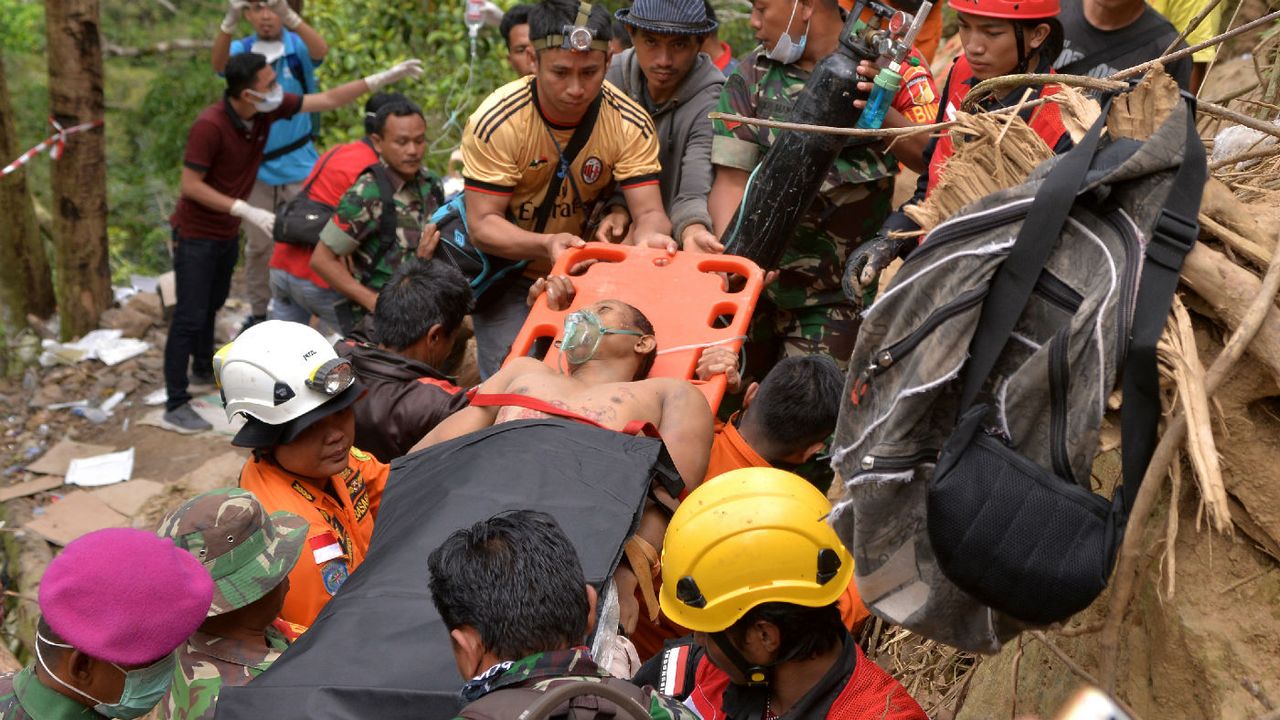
[185, 418]
[252, 320]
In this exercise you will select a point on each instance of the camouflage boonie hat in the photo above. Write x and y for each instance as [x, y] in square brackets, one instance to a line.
[247, 552]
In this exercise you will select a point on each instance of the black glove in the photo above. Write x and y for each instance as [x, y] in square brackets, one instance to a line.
[868, 259]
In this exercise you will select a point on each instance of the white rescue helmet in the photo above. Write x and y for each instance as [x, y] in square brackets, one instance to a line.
[283, 375]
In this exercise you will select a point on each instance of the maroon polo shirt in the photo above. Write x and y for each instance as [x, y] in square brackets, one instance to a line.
[228, 151]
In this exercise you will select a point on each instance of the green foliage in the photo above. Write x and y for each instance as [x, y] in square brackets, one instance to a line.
[21, 26]
[367, 36]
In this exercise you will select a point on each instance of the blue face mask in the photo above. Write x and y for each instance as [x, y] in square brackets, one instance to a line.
[785, 50]
[144, 687]
[583, 332]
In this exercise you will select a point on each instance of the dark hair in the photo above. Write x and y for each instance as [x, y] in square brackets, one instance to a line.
[1052, 45]
[796, 404]
[375, 103]
[620, 33]
[241, 72]
[516, 579]
[420, 294]
[517, 15]
[550, 16]
[805, 631]
[399, 108]
[643, 325]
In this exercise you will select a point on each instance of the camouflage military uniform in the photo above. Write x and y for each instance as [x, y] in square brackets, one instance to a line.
[208, 663]
[353, 230]
[805, 311]
[24, 697]
[248, 553]
[543, 671]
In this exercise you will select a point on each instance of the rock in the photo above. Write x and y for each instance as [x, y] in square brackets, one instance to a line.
[48, 394]
[148, 304]
[132, 323]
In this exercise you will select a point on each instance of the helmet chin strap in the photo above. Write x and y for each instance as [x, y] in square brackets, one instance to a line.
[1022, 48]
[756, 675]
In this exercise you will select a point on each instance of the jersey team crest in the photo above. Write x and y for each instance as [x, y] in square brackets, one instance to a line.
[591, 170]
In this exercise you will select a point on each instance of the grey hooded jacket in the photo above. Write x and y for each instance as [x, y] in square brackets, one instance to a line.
[684, 135]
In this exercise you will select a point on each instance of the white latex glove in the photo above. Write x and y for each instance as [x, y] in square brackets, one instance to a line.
[264, 220]
[231, 20]
[408, 68]
[286, 14]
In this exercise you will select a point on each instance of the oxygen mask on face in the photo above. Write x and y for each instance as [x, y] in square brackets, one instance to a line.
[583, 332]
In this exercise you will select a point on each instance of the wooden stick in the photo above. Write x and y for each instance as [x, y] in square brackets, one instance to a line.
[1247, 155]
[830, 130]
[1256, 254]
[1195, 23]
[1125, 578]
[1178, 55]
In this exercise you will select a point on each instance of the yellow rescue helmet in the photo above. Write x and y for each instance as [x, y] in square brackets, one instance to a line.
[748, 537]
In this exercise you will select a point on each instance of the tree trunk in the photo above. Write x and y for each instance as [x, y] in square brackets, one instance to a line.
[80, 176]
[24, 268]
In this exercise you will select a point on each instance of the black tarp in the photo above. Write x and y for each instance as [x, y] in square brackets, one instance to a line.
[378, 649]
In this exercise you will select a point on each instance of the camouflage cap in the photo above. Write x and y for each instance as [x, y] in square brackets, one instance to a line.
[247, 552]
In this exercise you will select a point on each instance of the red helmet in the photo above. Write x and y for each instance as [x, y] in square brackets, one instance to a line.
[1007, 9]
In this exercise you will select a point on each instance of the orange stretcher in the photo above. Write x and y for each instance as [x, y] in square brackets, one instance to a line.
[683, 296]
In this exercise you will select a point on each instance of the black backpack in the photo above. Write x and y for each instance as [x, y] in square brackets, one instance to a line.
[979, 381]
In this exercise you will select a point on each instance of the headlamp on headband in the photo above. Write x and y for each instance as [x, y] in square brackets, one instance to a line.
[576, 37]
[332, 377]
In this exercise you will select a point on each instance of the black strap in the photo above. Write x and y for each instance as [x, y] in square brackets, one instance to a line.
[282, 151]
[1016, 278]
[579, 140]
[1174, 235]
[386, 221]
[324, 160]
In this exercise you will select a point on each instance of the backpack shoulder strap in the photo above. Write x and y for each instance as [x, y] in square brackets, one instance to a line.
[1013, 282]
[386, 221]
[1174, 235]
[324, 160]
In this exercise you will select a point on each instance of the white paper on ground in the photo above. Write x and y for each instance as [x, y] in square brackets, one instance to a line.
[101, 469]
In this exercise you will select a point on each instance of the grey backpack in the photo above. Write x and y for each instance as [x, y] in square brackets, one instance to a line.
[980, 377]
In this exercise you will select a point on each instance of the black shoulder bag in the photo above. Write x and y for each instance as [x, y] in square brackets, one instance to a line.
[299, 221]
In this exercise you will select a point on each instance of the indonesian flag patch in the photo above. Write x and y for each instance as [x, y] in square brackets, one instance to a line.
[325, 547]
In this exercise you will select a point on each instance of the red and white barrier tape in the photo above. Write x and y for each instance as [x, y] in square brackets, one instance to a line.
[55, 143]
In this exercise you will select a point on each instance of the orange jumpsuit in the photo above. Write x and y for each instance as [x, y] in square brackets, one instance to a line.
[341, 524]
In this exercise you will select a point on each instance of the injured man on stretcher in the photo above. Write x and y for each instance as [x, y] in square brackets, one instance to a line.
[606, 353]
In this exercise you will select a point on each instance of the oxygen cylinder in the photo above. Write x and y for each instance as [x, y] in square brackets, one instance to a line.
[784, 184]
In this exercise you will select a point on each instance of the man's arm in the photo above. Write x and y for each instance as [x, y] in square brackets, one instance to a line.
[193, 187]
[348, 92]
[330, 266]
[687, 428]
[472, 418]
[493, 233]
[222, 41]
[726, 194]
[651, 226]
[690, 221]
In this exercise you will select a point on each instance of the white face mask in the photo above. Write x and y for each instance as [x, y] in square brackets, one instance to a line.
[270, 101]
[785, 50]
[143, 689]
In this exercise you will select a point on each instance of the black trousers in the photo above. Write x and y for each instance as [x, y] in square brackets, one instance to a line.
[202, 269]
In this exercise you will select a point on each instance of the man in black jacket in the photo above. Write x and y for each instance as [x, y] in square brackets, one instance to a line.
[416, 321]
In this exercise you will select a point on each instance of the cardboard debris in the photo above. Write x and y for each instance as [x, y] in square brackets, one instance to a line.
[58, 457]
[101, 470]
[76, 514]
[129, 497]
[30, 487]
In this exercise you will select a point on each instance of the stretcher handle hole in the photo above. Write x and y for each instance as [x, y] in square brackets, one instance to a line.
[722, 314]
